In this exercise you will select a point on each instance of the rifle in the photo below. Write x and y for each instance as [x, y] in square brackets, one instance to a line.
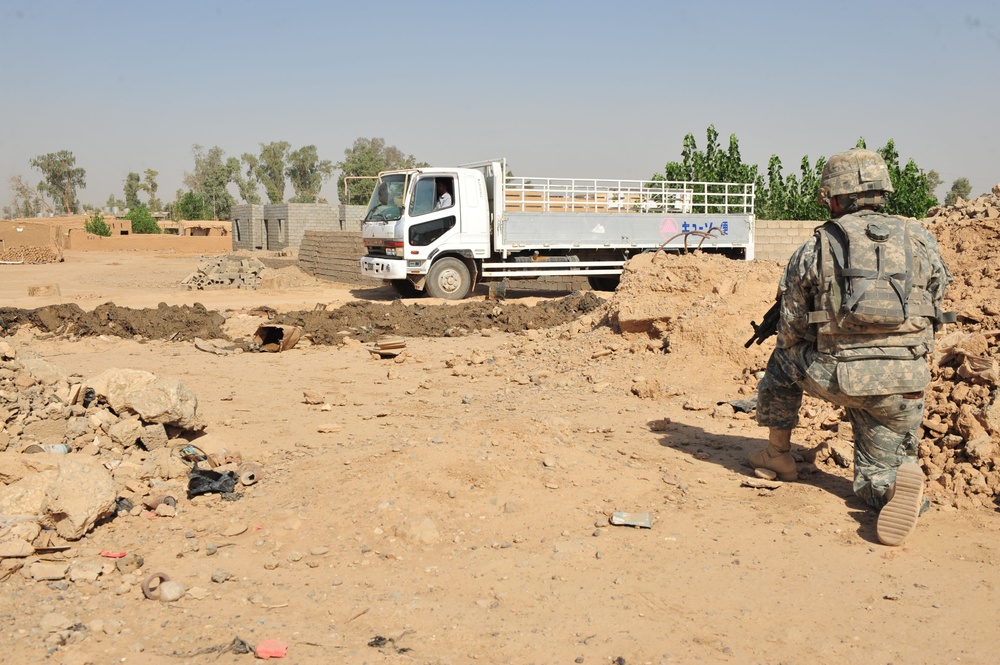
[767, 327]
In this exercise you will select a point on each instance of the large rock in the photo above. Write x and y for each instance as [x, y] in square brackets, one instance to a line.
[69, 498]
[12, 468]
[43, 371]
[154, 399]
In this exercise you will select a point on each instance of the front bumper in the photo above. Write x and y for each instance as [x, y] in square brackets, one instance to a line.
[383, 268]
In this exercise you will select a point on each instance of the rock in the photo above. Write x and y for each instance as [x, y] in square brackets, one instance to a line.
[46, 431]
[45, 570]
[80, 495]
[154, 437]
[980, 449]
[154, 399]
[126, 431]
[43, 371]
[53, 623]
[418, 531]
[166, 510]
[69, 498]
[15, 548]
[85, 571]
[312, 397]
[12, 469]
[221, 576]
[170, 591]
[7, 352]
[234, 530]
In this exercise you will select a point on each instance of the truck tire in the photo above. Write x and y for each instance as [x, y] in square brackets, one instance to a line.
[404, 288]
[448, 278]
[604, 282]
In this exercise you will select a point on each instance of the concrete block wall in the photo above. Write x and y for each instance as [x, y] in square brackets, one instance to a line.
[776, 240]
[248, 225]
[351, 217]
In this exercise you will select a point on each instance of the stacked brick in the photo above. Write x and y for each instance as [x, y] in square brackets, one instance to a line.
[29, 255]
[334, 256]
[226, 272]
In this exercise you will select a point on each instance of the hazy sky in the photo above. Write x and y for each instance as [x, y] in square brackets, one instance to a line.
[561, 89]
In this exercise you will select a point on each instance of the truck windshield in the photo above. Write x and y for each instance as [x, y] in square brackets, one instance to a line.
[386, 204]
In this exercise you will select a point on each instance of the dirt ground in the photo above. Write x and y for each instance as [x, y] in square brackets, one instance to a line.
[452, 504]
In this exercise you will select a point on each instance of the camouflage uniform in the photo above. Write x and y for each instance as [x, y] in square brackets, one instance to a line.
[883, 396]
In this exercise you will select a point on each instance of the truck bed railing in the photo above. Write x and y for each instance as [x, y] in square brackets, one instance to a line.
[627, 196]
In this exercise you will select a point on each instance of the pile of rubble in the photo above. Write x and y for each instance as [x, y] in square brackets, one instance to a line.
[101, 446]
[960, 449]
[227, 272]
[30, 255]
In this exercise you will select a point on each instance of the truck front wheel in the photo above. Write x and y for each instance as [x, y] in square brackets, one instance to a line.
[448, 278]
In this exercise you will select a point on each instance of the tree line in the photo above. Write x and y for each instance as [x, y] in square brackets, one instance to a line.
[795, 196]
[208, 193]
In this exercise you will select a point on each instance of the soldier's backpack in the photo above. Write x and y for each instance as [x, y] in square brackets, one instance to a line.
[873, 267]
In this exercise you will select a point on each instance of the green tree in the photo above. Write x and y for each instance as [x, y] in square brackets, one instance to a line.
[269, 169]
[142, 220]
[911, 197]
[149, 186]
[307, 173]
[933, 182]
[247, 184]
[711, 165]
[132, 183]
[113, 202]
[97, 225]
[211, 177]
[367, 157]
[960, 189]
[28, 201]
[61, 178]
[192, 206]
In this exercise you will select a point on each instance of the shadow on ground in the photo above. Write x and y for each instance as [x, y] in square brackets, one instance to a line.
[730, 451]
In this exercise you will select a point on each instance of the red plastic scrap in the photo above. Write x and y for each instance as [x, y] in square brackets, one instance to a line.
[112, 555]
[271, 649]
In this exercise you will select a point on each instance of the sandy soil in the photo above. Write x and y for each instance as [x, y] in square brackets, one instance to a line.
[458, 507]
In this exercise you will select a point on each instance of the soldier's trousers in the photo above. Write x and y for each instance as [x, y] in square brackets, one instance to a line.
[885, 426]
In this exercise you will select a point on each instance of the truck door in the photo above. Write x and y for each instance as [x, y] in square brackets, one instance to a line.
[433, 211]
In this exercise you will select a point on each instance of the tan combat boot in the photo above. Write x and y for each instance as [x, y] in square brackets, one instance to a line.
[777, 455]
[898, 518]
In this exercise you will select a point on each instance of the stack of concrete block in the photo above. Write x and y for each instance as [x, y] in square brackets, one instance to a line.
[227, 272]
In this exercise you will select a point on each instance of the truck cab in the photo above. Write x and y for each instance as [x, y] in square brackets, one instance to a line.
[424, 229]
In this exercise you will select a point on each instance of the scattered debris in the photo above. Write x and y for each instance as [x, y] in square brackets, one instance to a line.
[273, 338]
[761, 483]
[639, 520]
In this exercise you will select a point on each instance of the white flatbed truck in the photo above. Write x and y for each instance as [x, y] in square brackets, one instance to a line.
[443, 230]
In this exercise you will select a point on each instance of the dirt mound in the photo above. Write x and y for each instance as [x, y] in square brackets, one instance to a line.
[364, 321]
[696, 303]
[174, 323]
[367, 321]
[285, 278]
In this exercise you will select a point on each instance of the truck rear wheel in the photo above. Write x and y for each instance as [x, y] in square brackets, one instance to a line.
[604, 282]
[405, 289]
[448, 278]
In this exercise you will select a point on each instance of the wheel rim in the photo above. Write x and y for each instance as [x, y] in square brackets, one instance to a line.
[449, 280]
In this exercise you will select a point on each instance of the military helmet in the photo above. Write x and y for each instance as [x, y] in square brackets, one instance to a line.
[855, 171]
